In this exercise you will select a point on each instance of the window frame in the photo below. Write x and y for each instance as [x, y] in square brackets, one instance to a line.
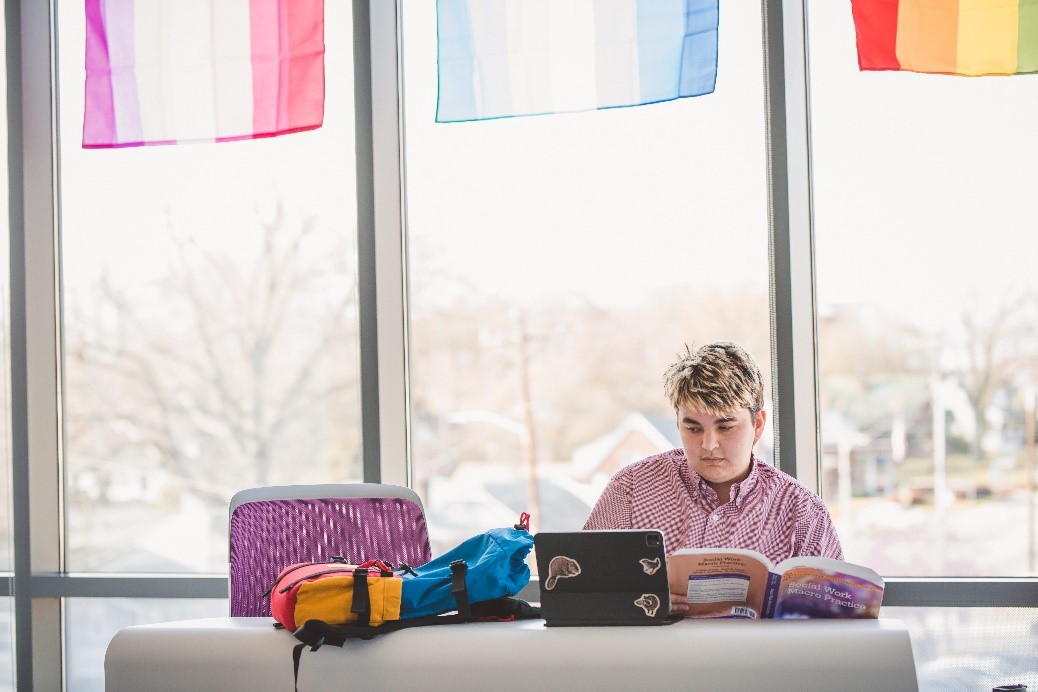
[39, 582]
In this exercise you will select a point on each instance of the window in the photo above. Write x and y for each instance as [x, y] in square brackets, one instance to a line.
[209, 342]
[927, 297]
[551, 268]
[926, 355]
[6, 533]
[557, 265]
[210, 325]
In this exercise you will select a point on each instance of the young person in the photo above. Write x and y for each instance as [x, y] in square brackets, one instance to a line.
[713, 492]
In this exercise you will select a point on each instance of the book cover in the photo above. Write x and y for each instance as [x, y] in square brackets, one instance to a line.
[737, 583]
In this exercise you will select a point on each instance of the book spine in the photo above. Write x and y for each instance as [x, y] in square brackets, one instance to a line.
[770, 595]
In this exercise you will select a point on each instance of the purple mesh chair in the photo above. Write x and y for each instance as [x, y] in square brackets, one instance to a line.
[281, 525]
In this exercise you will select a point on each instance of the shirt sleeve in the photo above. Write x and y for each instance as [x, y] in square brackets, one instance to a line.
[613, 508]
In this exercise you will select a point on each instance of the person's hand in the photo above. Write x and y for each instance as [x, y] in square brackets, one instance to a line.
[678, 604]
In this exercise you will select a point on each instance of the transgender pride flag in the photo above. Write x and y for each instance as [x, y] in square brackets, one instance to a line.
[168, 71]
[500, 58]
[963, 37]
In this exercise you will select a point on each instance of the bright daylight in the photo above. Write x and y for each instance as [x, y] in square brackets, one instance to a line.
[215, 308]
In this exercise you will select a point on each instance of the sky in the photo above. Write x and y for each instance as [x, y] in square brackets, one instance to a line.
[921, 182]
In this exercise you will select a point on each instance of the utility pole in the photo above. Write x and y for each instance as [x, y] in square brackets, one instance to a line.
[526, 404]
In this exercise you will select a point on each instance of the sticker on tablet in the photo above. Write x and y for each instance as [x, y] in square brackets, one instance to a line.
[650, 566]
[649, 602]
[561, 567]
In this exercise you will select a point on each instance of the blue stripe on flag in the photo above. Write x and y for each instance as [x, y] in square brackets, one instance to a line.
[661, 29]
[699, 53]
[456, 99]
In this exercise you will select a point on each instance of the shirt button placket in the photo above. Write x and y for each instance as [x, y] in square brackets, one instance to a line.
[713, 529]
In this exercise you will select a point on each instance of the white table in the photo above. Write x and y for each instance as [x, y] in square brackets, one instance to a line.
[249, 654]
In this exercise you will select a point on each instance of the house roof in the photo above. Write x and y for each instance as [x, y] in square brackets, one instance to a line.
[659, 430]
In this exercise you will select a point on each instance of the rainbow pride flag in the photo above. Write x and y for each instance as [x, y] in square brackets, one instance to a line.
[169, 71]
[502, 58]
[962, 37]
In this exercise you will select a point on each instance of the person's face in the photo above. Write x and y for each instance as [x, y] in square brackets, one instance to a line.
[718, 447]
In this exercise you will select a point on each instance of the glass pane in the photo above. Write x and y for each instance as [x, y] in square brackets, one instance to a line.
[6, 643]
[971, 649]
[210, 325]
[90, 623]
[927, 301]
[558, 264]
[6, 529]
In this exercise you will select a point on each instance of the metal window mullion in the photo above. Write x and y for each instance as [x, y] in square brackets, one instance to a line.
[19, 427]
[367, 303]
[381, 248]
[93, 585]
[36, 470]
[929, 592]
[794, 355]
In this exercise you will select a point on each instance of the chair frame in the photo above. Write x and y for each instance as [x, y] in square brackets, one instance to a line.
[320, 491]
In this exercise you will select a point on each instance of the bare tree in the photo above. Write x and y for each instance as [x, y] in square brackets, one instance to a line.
[224, 370]
[994, 347]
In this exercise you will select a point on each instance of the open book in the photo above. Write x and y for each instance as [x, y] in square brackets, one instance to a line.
[736, 583]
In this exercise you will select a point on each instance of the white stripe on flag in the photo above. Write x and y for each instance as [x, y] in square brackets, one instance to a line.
[518, 69]
[148, 45]
[189, 68]
[491, 86]
[616, 45]
[572, 36]
[531, 55]
[233, 68]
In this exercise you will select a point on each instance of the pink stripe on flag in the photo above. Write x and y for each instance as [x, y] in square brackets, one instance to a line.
[284, 63]
[263, 17]
[304, 20]
[287, 65]
[99, 125]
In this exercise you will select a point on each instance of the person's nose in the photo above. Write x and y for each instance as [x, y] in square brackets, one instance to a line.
[710, 440]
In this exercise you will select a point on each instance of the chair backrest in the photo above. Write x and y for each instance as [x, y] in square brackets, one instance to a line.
[276, 526]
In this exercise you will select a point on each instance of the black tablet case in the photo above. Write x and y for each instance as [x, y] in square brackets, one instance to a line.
[612, 577]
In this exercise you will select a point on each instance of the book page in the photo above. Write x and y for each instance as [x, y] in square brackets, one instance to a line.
[821, 588]
[719, 583]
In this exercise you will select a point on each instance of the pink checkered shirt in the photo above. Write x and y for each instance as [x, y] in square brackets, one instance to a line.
[769, 511]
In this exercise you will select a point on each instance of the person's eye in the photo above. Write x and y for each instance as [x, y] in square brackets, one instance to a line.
[694, 431]
[726, 428]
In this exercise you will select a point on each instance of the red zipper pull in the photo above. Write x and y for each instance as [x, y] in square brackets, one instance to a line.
[524, 521]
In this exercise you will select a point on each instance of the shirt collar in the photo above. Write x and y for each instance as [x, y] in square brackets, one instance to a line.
[739, 491]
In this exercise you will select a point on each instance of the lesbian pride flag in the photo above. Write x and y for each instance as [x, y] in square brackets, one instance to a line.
[501, 58]
[169, 71]
[963, 37]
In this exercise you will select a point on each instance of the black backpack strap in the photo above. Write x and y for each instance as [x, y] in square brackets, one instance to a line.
[361, 600]
[297, 652]
[459, 590]
[310, 634]
[504, 609]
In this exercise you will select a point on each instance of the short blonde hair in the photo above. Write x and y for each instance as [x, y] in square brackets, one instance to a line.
[716, 378]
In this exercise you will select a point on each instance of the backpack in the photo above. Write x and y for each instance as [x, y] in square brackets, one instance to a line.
[330, 602]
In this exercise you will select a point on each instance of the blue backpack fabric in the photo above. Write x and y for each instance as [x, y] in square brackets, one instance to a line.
[495, 566]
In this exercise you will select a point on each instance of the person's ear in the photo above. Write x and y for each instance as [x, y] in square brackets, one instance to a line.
[758, 425]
